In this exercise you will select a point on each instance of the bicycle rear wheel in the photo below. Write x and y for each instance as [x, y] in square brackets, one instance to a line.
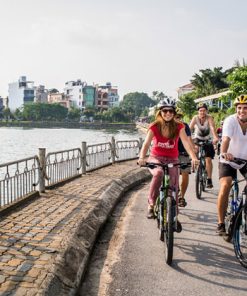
[239, 237]
[169, 233]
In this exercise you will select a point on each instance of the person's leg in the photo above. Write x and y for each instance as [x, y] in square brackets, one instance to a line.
[209, 167]
[225, 187]
[155, 185]
[184, 183]
[226, 175]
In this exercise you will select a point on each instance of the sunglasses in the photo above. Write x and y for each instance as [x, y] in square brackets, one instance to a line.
[167, 111]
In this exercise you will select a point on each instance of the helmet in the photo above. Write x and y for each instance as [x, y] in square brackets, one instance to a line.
[179, 112]
[167, 102]
[202, 105]
[242, 99]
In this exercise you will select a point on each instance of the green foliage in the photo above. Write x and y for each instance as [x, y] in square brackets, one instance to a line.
[89, 111]
[238, 81]
[210, 81]
[158, 95]
[74, 114]
[115, 114]
[187, 104]
[134, 103]
[44, 111]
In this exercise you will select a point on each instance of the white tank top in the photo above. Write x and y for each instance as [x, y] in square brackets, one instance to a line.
[238, 143]
[202, 132]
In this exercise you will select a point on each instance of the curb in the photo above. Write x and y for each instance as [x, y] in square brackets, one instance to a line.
[70, 265]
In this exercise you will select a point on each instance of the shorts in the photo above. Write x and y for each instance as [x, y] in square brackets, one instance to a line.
[184, 158]
[225, 170]
[209, 148]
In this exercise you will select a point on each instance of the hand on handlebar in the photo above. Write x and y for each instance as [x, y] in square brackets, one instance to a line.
[195, 163]
[141, 161]
[227, 156]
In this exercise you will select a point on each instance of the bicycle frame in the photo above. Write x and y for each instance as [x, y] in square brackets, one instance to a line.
[201, 173]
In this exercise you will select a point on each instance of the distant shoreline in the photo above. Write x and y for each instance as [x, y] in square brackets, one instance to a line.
[53, 124]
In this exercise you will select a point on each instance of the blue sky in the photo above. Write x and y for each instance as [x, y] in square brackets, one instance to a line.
[137, 45]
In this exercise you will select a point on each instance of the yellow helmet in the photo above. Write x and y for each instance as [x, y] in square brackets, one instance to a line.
[242, 99]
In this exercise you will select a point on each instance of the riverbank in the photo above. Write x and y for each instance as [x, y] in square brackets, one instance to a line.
[54, 124]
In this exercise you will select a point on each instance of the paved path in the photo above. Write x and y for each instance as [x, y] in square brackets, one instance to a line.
[130, 260]
[34, 237]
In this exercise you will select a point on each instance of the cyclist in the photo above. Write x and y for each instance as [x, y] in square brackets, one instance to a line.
[202, 124]
[234, 139]
[183, 157]
[164, 133]
[219, 133]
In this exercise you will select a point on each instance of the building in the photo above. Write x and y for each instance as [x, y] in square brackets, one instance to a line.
[41, 94]
[107, 96]
[59, 98]
[20, 93]
[213, 100]
[185, 89]
[74, 92]
[89, 96]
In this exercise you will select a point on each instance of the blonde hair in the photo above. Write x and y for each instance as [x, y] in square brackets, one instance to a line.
[172, 125]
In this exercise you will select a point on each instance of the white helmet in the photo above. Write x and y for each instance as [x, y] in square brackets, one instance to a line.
[167, 102]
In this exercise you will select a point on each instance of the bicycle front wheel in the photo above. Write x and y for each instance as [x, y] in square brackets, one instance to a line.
[169, 234]
[198, 183]
[239, 237]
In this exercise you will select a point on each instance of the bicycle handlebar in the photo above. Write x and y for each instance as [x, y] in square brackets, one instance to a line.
[237, 160]
[153, 165]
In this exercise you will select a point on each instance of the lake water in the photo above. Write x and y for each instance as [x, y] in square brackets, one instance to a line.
[18, 143]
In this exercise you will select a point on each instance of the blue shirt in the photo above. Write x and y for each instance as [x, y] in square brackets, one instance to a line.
[181, 148]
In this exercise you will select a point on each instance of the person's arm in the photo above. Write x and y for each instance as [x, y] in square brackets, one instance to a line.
[188, 147]
[224, 148]
[145, 147]
[213, 129]
[192, 124]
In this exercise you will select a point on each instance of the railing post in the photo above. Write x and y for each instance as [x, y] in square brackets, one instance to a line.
[113, 150]
[42, 170]
[140, 143]
[83, 157]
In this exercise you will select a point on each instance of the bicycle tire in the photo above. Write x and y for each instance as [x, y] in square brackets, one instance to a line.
[237, 239]
[162, 222]
[169, 233]
[198, 183]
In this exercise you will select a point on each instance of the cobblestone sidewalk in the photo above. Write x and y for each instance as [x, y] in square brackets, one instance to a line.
[33, 235]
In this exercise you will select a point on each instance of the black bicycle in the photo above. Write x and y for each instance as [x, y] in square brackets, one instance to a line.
[201, 172]
[239, 230]
[166, 210]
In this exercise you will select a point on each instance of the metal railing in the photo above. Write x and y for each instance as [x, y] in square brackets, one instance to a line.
[21, 178]
[18, 179]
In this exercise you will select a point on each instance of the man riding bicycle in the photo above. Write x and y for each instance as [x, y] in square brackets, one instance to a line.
[234, 139]
[203, 124]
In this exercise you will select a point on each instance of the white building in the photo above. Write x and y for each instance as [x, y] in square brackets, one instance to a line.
[74, 92]
[185, 89]
[20, 93]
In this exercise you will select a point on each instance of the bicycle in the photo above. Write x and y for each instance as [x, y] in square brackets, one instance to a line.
[201, 172]
[238, 215]
[166, 210]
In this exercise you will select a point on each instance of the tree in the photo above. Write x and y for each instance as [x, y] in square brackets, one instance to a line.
[210, 81]
[44, 111]
[238, 81]
[187, 104]
[74, 114]
[134, 103]
[158, 96]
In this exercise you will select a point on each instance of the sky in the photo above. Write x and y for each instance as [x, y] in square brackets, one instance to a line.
[137, 45]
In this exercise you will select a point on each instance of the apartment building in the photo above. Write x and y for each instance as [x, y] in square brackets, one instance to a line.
[41, 94]
[59, 98]
[20, 93]
[107, 96]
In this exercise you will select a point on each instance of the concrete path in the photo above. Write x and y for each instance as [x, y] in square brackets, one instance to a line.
[130, 260]
[45, 245]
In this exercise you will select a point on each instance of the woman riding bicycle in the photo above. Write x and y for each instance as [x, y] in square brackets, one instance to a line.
[164, 132]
